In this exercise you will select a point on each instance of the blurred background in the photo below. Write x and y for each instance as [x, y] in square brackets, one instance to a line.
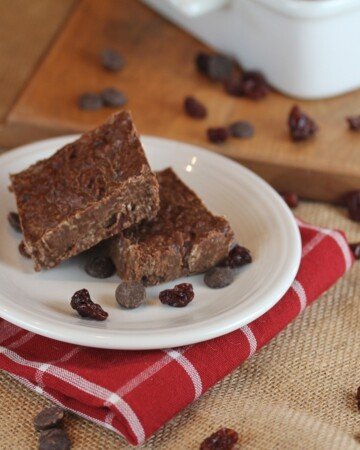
[55, 63]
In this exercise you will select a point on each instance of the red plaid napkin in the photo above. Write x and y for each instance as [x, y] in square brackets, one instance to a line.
[135, 392]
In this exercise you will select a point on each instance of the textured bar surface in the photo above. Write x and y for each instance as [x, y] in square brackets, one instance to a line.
[86, 192]
[183, 239]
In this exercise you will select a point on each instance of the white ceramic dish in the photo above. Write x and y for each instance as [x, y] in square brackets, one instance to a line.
[307, 48]
[40, 301]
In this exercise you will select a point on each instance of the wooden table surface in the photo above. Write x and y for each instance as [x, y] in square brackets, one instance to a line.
[27, 29]
[46, 74]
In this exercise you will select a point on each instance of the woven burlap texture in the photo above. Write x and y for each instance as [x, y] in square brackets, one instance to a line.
[298, 392]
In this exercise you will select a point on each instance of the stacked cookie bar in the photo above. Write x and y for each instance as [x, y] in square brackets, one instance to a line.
[101, 186]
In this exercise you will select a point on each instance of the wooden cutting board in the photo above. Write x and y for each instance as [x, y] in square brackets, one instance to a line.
[159, 73]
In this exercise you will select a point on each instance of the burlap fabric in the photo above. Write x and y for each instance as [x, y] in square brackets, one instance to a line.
[298, 392]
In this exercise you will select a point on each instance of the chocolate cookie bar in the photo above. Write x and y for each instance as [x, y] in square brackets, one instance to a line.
[87, 191]
[183, 239]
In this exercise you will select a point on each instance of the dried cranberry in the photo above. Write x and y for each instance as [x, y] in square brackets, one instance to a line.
[217, 135]
[254, 85]
[202, 62]
[216, 67]
[223, 439]
[291, 199]
[22, 250]
[352, 200]
[90, 101]
[194, 108]
[233, 86]
[180, 296]
[111, 60]
[354, 123]
[241, 129]
[83, 304]
[100, 267]
[14, 221]
[355, 248]
[238, 256]
[301, 126]
[48, 418]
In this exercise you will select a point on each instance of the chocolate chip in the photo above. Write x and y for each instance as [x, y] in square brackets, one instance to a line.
[291, 199]
[354, 123]
[100, 267]
[194, 108]
[254, 85]
[111, 60]
[22, 250]
[238, 257]
[358, 398]
[352, 201]
[85, 307]
[241, 129]
[223, 439]
[90, 101]
[355, 248]
[217, 135]
[216, 67]
[130, 294]
[220, 67]
[113, 97]
[233, 86]
[14, 221]
[219, 277]
[48, 418]
[54, 439]
[301, 126]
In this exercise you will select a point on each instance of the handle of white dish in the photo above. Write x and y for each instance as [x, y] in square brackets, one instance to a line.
[194, 8]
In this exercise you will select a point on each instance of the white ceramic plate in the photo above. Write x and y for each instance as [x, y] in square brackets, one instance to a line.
[40, 302]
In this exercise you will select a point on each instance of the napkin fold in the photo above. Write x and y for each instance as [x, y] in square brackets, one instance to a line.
[136, 392]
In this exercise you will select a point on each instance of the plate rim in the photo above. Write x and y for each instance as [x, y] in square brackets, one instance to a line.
[156, 341]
